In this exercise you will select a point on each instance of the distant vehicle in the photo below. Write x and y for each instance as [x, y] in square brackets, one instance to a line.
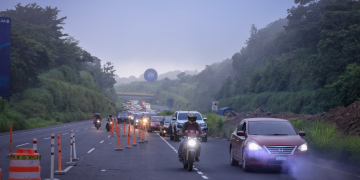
[164, 128]
[148, 106]
[154, 123]
[179, 118]
[268, 142]
[133, 118]
[123, 117]
[145, 116]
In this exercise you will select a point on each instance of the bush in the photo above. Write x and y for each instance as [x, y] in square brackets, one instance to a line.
[166, 113]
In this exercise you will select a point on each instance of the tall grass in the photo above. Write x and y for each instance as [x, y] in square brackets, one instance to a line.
[325, 137]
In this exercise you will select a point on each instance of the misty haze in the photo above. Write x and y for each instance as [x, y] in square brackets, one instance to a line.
[159, 89]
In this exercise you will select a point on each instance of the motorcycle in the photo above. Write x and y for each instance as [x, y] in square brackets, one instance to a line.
[98, 123]
[108, 125]
[191, 145]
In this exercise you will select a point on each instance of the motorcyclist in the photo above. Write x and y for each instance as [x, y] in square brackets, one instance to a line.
[191, 124]
[110, 118]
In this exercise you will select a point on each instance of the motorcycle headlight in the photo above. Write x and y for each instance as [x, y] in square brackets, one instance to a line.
[110, 122]
[303, 147]
[137, 120]
[166, 126]
[98, 121]
[132, 117]
[191, 142]
[145, 120]
[254, 146]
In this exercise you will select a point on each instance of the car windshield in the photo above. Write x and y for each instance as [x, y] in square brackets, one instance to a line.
[184, 116]
[123, 114]
[156, 119]
[271, 128]
[168, 119]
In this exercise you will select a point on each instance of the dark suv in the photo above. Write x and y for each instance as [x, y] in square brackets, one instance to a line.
[165, 126]
[123, 117]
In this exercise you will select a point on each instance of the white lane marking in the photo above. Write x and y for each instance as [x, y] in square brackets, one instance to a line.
[77, 130]
[102, 141]
[47, 138]
[65, 133]
[43, 129]
[91, 150]
[68, 168]
[196, 169]
[109, 136]
[93, 127]
[22, 145]
[85, 128]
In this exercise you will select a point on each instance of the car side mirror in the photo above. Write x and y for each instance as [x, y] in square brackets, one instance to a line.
[240, 133]
[205, 119]
[173, 118]
[302, 133]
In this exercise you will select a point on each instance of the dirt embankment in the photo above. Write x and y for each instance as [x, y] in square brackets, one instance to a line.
[347, 119]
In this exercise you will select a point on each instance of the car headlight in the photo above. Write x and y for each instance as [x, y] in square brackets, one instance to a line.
[303, 147]
[254, 146]
[145, 120]
[137, 120]
[191, 142]
[132, 117]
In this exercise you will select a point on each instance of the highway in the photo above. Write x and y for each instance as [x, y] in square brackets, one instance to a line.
[154, 160]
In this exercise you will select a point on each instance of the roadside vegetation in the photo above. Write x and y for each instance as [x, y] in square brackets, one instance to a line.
[306, 63]
[53, 80]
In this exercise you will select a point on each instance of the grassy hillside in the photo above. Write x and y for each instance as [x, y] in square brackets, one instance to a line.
[59, 98]
[306, 63]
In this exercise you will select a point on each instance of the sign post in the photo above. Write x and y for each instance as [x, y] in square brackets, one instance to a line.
[214, 106]
[170, 103]
[5, 32]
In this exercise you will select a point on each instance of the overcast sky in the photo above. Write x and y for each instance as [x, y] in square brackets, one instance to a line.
[165, 35]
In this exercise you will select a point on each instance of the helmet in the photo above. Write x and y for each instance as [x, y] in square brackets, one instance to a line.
[192, 117]
[110, 115]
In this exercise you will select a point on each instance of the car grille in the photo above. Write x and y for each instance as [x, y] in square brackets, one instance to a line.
[202, 125]
[280, 150]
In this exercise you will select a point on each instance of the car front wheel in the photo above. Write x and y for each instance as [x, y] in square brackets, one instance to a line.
[245, 166]
[233, 161]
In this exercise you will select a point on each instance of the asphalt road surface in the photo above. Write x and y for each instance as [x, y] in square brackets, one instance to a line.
[156, 159]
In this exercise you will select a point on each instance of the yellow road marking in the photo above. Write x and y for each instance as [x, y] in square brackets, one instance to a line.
[335, 170]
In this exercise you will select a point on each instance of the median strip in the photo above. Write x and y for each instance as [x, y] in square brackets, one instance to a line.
[22, 145]
[65, 133]
[68, 168]
[91, 150]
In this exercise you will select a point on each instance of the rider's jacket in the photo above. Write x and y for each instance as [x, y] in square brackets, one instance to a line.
[195, 126]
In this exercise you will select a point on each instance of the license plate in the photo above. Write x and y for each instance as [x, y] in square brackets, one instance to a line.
[281, 158]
